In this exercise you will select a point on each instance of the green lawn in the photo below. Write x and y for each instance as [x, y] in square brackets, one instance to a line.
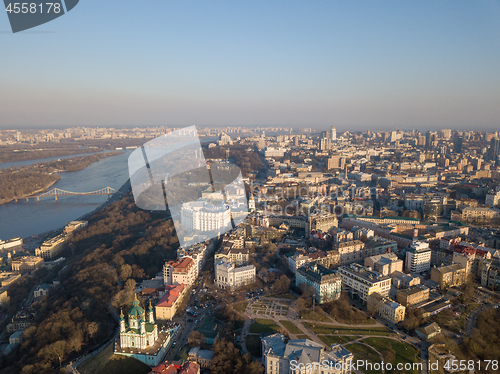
[240, 307]
[336, 339]
[404, 352]
[302, 336]
[263, 325]
[292, 329]
[253, 345]
[337, 330]
[313, 316]
[363, 353]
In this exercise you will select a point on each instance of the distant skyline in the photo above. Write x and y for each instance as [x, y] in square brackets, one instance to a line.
[360, 65]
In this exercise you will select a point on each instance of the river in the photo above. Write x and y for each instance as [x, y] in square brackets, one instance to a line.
[30, 218]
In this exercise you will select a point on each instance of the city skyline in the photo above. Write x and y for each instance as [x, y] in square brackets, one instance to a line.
[363, 66]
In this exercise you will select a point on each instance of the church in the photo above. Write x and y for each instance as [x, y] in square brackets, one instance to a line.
[139, 333]
[140, 337]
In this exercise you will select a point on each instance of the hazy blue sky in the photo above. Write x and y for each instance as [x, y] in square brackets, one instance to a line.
[354, 64]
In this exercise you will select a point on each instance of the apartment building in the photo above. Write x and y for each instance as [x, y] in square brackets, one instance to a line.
[325, 284]
[169, 303]
[418, 257]
[449, 276]
[52, 247]
[490, 276]
[386, 308]
[363, 281]
[181, 271]
[350, 251]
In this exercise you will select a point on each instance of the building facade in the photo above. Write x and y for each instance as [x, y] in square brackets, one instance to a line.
[325, 284]
[418, 257]
[361, 281]
[230, 277]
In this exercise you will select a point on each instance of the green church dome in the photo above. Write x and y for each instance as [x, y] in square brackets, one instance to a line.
[136, 310]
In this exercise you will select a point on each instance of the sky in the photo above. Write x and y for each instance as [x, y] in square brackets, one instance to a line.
[358, 65]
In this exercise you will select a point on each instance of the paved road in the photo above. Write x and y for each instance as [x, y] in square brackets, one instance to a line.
[470, 324]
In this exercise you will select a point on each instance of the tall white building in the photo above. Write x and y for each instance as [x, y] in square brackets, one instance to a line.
[418, 257]
[333, 133]
[228, 276]
[203, 216]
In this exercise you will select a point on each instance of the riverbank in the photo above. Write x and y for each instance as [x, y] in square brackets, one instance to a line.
[15, 179]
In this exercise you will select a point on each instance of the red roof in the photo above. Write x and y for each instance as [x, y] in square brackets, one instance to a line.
[169, 367]
[172, 293]
[182, 266]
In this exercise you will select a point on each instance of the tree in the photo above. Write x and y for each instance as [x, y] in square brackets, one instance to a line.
[195, 339]
[54, 351]
[125, 272]
[92, 329]
[282, 285]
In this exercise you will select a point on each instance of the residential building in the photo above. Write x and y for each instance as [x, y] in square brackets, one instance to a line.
[386, 308]
[169, 303]
[52, 247]
[201, 356]
[350, 251]
[490, 276]
[412, 295]
[418, 257]
[362, 281]
[181, 271]
[281, 358]
[384, 264]
[325, 284]
[75, 225]
[228, 276]
[449, 276]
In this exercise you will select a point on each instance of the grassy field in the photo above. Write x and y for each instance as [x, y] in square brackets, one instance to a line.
[292, 329]
[263, 325]
[336, 339]
[106, 362]
[337, 330]
[313, 316]
[363, 353]
[302, 336]
[253, 345]
[404, 352]
[240, 307]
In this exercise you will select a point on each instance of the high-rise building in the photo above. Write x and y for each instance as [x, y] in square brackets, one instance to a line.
[458, 144]
[418, 257]
[494, 150]
[333, 133]
[324, 144]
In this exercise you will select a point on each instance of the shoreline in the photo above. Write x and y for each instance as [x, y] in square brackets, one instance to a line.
[122, 191]
[46, 188]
